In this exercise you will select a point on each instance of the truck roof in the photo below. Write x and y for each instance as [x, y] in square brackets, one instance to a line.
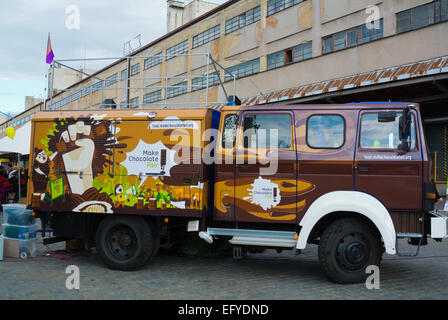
[124, 114]
[348, 106]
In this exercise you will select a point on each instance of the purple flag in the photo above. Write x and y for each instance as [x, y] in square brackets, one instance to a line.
[50, 54]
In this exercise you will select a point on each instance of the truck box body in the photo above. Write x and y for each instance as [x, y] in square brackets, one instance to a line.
[120, 161]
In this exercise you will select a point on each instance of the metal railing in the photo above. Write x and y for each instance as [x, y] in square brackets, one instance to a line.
[170, 87]
[439, 168]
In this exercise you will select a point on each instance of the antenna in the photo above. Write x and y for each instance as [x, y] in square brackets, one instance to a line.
[132, 45]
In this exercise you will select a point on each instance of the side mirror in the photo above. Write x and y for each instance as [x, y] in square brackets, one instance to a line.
[387, 116]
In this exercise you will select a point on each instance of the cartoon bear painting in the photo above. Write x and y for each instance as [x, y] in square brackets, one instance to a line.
[41, 169]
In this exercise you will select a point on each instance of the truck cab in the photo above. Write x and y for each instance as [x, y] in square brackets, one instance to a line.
[351, 178]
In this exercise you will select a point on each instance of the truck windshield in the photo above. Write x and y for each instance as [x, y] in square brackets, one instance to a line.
[382, 135]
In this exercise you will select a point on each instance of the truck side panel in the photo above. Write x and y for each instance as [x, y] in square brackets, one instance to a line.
[120, 164]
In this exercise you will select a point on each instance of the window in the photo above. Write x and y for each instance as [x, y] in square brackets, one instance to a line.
[302, 51]
[298, 53]
[178, 49]
[97, 86]
[201, 82]
[276, 60]
[382, 135]
[133, 103]
[152, 61]
[123, 104]
[207, 36]
[152, 97]
[124, 74]
[86, 91]
[243, 20]
[244, 69]
[275, 6]
[229, 132]
[111, 80]
[176, 89]
[352, 37]
[325, 131]
[76, 96]
[422, 16]
[135, 69]
[267, 131]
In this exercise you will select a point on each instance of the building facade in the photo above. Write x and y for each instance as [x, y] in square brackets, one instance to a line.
[283, 52]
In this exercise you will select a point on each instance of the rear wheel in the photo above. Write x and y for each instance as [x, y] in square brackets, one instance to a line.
[125, 243]
[347, 247]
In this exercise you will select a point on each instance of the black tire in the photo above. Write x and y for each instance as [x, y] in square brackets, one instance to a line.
[156, 238]
[347, 247]
[125, 243]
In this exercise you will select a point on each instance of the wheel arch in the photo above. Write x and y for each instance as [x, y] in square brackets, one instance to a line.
[340, 204]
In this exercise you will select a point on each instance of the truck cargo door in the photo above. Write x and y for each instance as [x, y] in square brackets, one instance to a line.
[380, 169]
[265, 168]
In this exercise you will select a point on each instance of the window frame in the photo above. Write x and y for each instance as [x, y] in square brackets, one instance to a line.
[178, 49]
[437, 16]
[236, 132]
[176, 90]
[156, 92]
[227, 77]
[326, 114]
[364, 149]
[207, 36]
[153, 61]
[329, 40]
[240, 141]
[236, 22]
[134, 67]
[282, 7]
[301, 47]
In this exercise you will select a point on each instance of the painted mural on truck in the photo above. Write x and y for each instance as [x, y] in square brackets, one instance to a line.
[102, 164]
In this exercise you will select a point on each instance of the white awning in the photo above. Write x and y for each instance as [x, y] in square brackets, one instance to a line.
[20, 143]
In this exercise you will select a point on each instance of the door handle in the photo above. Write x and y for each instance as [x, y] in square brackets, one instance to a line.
[243, 166]
[362, 168]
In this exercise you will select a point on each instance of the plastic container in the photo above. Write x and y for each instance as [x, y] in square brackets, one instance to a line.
[16, 248]
[17, 214]
[1, 247]
[19, 232]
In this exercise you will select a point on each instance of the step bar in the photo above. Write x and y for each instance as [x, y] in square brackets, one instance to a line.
[249, 237]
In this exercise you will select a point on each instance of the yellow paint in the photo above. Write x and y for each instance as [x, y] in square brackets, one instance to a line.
[322, 10]
[306, 15]
[271, 22]
[266, 215]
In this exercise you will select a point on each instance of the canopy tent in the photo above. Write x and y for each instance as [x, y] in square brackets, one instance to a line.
[21, 142]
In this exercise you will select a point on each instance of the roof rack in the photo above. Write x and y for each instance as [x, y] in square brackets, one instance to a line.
[139, 84]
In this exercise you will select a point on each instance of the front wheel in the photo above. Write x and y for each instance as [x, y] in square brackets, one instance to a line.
[125, 243]
[347, 247]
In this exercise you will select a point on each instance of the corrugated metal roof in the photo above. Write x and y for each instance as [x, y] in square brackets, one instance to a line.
[408, 71]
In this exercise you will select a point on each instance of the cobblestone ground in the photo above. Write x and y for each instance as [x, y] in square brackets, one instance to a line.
[261, 276]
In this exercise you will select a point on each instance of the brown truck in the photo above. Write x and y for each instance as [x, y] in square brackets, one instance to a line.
[352, 178]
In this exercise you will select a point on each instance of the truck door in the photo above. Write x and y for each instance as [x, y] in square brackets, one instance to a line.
[266, 168]
[224, 189]
[394, 177]
[326, 141]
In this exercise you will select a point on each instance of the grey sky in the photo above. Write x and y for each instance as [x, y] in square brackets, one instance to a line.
[104, 27]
